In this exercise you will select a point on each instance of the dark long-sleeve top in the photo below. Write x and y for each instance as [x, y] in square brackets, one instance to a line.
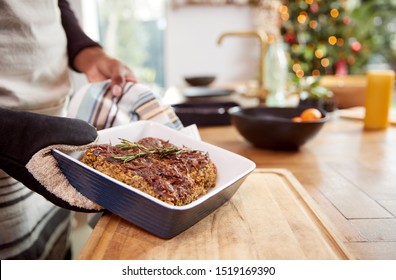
[77, 40]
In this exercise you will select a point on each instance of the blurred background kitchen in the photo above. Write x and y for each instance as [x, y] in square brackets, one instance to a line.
[268, 52]
[167, 40]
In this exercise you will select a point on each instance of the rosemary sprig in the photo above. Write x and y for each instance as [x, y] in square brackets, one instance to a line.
[125, 144]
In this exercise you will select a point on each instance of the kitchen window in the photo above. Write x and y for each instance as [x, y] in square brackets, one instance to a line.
[131, 30]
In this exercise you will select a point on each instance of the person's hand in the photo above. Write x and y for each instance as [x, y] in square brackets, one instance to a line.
[98, 66]
[25, 133]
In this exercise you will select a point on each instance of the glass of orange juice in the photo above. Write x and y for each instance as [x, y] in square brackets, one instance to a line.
[379, 91]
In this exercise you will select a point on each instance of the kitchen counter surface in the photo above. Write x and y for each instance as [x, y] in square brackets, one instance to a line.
[348, 173]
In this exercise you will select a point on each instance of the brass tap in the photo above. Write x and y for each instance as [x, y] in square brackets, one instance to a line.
[263, 39]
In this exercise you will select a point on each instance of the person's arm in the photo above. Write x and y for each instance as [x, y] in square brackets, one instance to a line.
[88, 57]
[77, 40]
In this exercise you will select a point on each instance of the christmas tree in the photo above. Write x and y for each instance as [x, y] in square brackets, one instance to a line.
[330, 37]
[336, 36]
[376, 22]
[321, 37]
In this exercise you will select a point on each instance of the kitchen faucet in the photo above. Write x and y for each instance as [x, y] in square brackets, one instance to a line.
[263, 39]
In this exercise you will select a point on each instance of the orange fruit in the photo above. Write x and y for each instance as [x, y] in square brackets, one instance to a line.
[310, 114]
[296, 119]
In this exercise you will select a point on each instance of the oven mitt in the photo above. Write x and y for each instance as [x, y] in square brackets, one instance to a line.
[25, 154]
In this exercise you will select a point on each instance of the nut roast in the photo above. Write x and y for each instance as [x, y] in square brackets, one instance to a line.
[175, 175]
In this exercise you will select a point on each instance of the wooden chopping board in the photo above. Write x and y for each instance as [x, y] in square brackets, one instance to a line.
[270, 217]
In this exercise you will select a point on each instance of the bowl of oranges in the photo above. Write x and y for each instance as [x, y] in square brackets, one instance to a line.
[278, 128]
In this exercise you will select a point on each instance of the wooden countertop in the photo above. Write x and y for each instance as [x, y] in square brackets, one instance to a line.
[349, 174]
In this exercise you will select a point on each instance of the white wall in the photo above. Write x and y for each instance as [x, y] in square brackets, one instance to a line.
[191, 44]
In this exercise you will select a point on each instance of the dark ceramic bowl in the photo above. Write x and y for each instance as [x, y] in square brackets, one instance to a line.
[199, 81]
[204, 114]
[273, 128]
[205, 92]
